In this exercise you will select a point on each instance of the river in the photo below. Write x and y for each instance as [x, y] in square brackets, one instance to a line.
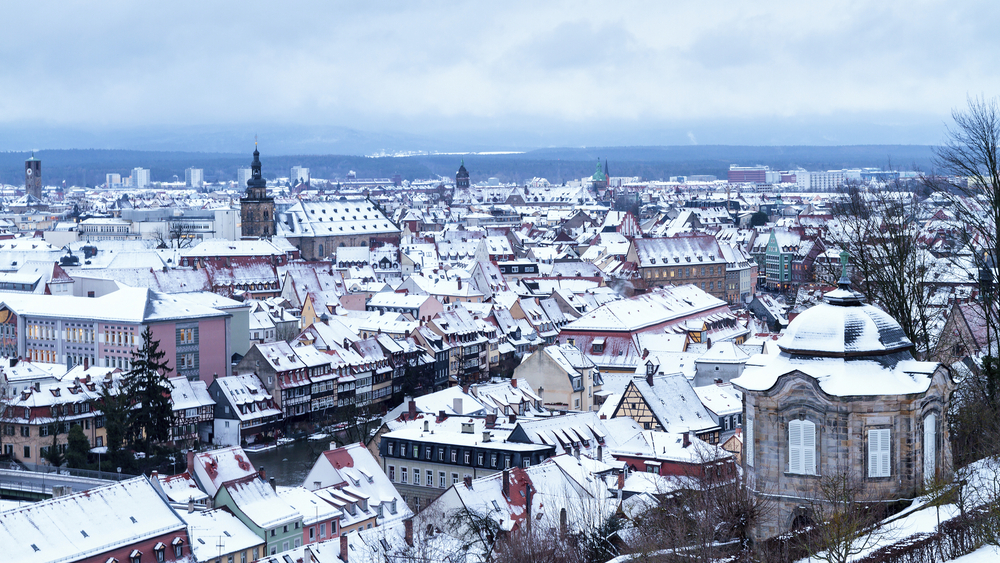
[289, 464]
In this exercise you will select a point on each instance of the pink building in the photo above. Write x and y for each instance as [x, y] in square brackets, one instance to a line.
[104, 331]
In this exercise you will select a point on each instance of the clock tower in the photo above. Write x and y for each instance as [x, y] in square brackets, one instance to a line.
[33, 177]
[256, 208]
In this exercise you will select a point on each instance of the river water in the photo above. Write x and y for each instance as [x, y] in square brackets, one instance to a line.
[289, 464]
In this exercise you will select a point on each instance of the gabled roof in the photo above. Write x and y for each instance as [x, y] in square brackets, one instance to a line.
[86, 524]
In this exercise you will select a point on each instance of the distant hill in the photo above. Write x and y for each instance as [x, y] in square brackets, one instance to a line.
[89, 167]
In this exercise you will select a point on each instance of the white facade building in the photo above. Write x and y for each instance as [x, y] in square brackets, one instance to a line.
[194, 177]
[242, 175]
[140, 178]
[299, 175]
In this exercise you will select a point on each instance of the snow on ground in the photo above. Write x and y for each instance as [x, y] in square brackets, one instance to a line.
[985, 554]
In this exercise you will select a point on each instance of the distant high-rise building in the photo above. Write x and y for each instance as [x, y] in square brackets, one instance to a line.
[33, 177]
[242, 175]
[299, 175]
[256, 208]
[462, 177]
[194, 177]
[140, 178]
[113, 180]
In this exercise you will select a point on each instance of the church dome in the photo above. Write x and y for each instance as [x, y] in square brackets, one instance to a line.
[843, 326]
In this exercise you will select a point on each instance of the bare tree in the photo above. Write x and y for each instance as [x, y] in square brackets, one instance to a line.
[970, 163]
[705, 514]
[849, 517]
[878, 228]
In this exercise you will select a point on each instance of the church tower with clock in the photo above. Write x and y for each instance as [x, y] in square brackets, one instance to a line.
[33, 177]
[256, 208]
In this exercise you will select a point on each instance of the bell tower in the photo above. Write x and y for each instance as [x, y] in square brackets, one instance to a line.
[256, 208]
[33, 177]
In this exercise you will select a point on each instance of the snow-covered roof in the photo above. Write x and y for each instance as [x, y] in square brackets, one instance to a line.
[217, 531]
[83, 525]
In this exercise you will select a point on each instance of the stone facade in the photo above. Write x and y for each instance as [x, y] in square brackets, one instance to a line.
[842, 426]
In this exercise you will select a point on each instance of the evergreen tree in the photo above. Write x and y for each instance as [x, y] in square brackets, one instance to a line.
[116, 408]
[79, 447]
[147, 387]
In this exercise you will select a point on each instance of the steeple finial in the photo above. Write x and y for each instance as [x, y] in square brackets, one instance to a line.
[845, 280]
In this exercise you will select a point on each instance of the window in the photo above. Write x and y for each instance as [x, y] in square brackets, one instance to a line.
[480, 459]
[392, 473]
[454, 456]
[312, 533]
[454, 478]
[443, 479]
[430, 478]
[802, 447]
[322, 530]
[135, 557]
[27, 452]
[878, 452]
[416, 476]
[930, 447]
[467, 456]
[256, 553]
[402, 475]
[178, 549]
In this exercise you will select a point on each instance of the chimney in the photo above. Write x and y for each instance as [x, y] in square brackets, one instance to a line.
[649, 378]
[86, 363]
[215, 375]
[274, 485]
[441, 416]
[506, 483]
[154, 474]
[307, 555]
[263, 474]
[491, 420]
[413, 409]
[513, 382]
[190, 461]
[465, 389]
[459, 283]
[600, 453]
[604, 417]
[408, 527]
[468, 481]
[687, 439]
[486, 436]
[343, 547]
[512, 418]
[621, 483]
[190, 505]
[457, 402]
[563, 522]
[576, 453]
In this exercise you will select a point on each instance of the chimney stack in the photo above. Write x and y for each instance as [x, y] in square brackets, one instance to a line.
[441, 416]
[459, 283]
[190, 462]
[513, 382]
[563, 522]
[512, 418]
[274, 485]
[86, 363]
[687, 440]
[468, 481]
[506, 483]
[343, 547]
[413, 409]
[408, 530]
[190, 505]
[491, 420]
[457, 402]
[307, 555]
[262, 473]
[621, 482]
[649, 378]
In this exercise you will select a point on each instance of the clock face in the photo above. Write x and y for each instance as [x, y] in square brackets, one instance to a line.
[29, 172]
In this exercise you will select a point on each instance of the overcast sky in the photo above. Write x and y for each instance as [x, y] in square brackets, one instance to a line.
[571, 73]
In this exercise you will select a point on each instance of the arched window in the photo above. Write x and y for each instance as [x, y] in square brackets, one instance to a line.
[802, 447]
[930, 447]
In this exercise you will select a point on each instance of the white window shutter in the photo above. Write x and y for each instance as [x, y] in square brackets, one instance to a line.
[885, 445]
[748, 441]
[930, 445]
[795, 446]
[808, 448]
[873, 453]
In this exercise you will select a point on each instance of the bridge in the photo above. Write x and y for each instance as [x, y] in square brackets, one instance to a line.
[34, 486]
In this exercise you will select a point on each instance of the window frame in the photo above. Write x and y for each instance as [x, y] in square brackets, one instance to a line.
[801, 447]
